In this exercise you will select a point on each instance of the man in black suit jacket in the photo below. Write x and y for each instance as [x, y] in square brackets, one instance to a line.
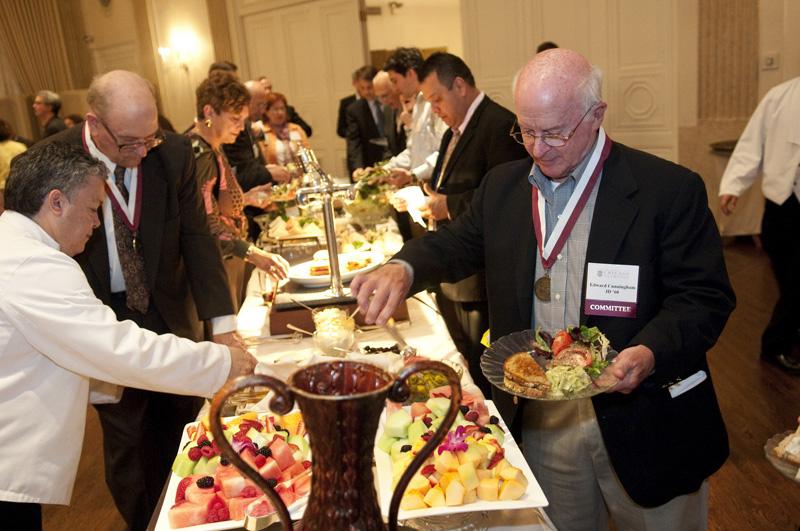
[651, 443]
[476, 141]
[182, 273]
[366, 143]
[341, 117]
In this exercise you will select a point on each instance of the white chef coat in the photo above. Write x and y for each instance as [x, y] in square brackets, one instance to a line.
[54, 336]
[423, 141]
[769, 146]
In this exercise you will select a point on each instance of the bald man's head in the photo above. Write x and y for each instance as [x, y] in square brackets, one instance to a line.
[123, 118]
[385, 90]
[258, 99]
[559, 75]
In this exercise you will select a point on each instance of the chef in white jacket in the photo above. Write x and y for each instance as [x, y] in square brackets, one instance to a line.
[770, 148]
[55, 334]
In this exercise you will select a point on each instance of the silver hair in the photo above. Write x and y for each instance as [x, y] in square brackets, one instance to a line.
[591, 88]
[100, 91]
[50, 98]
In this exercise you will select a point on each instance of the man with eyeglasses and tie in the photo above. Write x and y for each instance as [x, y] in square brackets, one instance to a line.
[153, 261]
[593, 215]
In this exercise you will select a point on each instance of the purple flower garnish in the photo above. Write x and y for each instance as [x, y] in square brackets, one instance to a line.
[454, 441]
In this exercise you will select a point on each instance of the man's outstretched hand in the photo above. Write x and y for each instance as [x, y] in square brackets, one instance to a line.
[380, 292]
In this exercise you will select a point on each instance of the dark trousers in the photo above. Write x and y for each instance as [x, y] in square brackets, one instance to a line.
[141, 435]
[467, 322]
[779, 236]
[20, 516]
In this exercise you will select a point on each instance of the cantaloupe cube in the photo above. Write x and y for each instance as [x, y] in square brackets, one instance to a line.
[499, 467]
[446, 461]
[468, 477]
[411, 500]
[420, 483]
[488, 489]
[435, 497]
[511, 490]
[511, 472]
[454, 494]
[482, 473]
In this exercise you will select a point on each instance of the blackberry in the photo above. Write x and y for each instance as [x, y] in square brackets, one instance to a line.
[205, 482]
[224, 462]
[485, 429]
[405, 448]
[463, 410]
[272, 482]
[277, 427]
[494, 420]
[204, 443]
[266, 452]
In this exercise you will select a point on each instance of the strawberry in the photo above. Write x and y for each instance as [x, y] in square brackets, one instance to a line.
[427, 470]
[180, 494]
[498, 455]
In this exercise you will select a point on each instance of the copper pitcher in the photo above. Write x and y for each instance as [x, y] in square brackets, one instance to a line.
[341, 403]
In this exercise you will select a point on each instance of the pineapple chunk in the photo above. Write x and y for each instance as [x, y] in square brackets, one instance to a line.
[446, 478]
[468, 476]
[471, 496]
[499, 467]
[419, 483]
[435, 497]
[488, 489]
[446, 461]
[411, 500]
[454, 494]
[473, 455]
[482, 473]
[510, 473]
[511, 490]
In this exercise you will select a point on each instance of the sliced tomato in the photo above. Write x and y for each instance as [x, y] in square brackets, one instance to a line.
[561, 341]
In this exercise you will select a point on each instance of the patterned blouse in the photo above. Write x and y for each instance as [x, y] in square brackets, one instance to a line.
[222, 196]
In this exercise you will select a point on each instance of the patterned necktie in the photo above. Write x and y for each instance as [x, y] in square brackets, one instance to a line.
[377, 115]
[451, 146]
[130, 259]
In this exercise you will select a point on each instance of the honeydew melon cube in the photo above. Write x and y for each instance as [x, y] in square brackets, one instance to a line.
[397, 424]
[183, 466]
[212, 464]
[454, 494]
[417, 445]
[419, 483]
[385, 442]
[490, 449]
[301, 443]
[258, 438]
[200, 466]
[399, 466]
[412, 500]
[435, 497]
[397, 446]
[469, 479]
[511, 490]
[512, 473]
[482, 473]
[416, 429]
[445, 461]
[438, 405]
[488, 489]
[471, 496]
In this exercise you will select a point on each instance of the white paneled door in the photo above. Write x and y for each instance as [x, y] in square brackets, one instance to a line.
[309, 50]
[632, 41]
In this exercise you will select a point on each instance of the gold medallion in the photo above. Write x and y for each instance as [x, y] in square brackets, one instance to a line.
[541, 288]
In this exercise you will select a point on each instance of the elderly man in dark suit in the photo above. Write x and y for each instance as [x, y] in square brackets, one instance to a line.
[153, 261]
[643, 451]
[476, 141]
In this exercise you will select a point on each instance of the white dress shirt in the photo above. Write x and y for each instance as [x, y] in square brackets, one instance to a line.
[54, 336]
[770, 147]
[422, 143]
[219, 325]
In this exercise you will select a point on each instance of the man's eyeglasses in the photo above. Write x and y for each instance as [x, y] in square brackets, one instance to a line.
[148, 143]
[551, 139]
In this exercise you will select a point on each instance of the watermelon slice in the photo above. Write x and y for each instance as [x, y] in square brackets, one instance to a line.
[270, 470]
[282, 453]
[186, 514]
[237, 506]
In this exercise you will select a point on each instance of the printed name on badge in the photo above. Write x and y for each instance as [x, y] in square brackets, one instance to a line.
[611, 290]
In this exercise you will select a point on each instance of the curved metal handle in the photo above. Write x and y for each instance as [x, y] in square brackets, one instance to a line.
[400, 393]
[281, 404]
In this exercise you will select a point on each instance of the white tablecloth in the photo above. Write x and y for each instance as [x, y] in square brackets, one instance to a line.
[427, 333]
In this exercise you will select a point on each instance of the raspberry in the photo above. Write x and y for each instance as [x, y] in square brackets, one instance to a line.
[426, 436]
[205, 442]
[260, 460]
[180, 494]
[195, 453]
[472, 416]
[207, 451]
[217, 510]
[427, 421]
[306, 464]
[266, 452]
[216, 449]
[201, 439]
[205, 482]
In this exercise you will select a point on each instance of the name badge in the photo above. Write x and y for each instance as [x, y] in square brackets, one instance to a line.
[611, 290]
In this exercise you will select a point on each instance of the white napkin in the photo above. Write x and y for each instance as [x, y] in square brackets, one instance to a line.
[415, 200]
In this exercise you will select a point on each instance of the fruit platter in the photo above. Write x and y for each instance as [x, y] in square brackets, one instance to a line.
[206, 493]
[478, 467]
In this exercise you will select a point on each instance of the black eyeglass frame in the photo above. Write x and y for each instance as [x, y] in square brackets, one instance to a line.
[550, 139]
[148, 144]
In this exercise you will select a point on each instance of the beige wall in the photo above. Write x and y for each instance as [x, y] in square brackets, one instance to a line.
[420, 23]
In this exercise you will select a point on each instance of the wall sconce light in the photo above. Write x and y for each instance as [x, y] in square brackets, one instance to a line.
[394, 5]
[182, 49]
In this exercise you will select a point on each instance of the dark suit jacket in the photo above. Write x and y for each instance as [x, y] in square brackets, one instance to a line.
[395, 136]
[362, 132]
[183, 265]
[341, 119]
[650, 213]
[484, 144]
[245, 157]
[55, 125]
